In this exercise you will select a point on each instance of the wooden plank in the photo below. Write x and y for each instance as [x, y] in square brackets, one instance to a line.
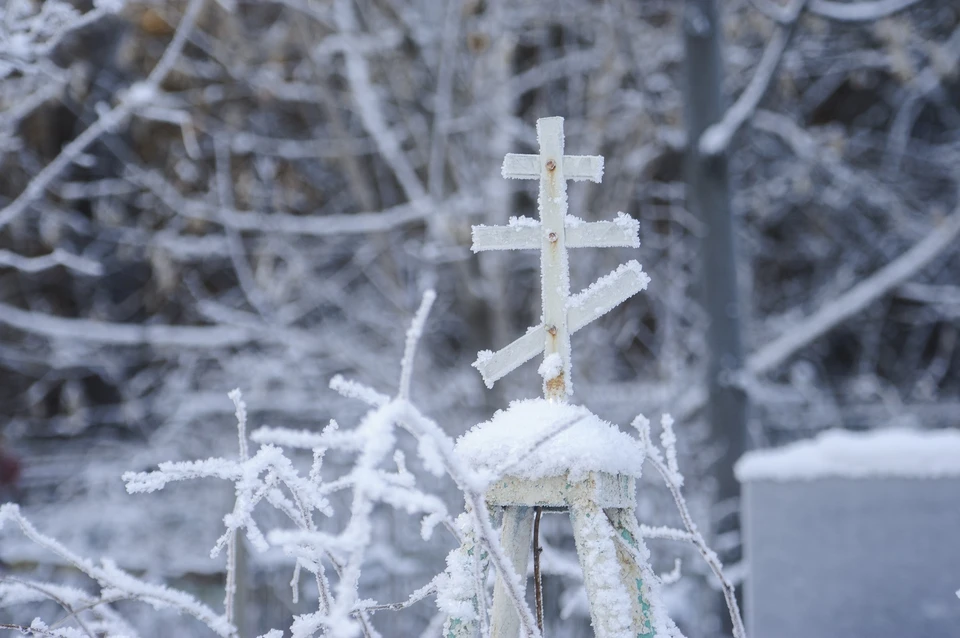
[601, 235]
[596, 301]
[583, 167]
[494, 366]
[596, 544]
[637, 576]
[505, 237]
[517, 166]
[554, 269]
[609, 491]
[460, 627]
[606, 294]
[515, 535]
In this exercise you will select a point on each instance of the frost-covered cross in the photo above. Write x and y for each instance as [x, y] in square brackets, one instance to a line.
[563, 314]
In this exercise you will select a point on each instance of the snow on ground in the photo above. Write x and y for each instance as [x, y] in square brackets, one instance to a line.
[537, 438]
[899, 452]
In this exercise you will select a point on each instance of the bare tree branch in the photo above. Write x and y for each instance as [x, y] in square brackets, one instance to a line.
[58, 257]
[137, 96]
[716, 138]
[859, 11]
[857, 298]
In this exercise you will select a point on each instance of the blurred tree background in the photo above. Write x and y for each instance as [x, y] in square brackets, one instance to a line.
[202, 195]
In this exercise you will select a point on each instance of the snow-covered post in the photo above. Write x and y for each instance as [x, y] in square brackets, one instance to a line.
[598, 492]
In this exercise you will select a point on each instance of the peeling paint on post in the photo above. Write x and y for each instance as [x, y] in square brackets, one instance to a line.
[636, 577]
[601, 556]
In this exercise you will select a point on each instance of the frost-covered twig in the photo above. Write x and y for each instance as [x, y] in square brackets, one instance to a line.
[422, 593]
[123, 334]
[353, 390]
[857, 298]
[55, 597]
[136, 96]
[673, 481]
[665, 533]
[39, 629]
[117, 583]
[340, 610]
[859, 11]
[360, 223]
[74, 601]
[674, 574]
[413, 338]
[231, 585]
[369, 108]
[58, 257]
[472, 488]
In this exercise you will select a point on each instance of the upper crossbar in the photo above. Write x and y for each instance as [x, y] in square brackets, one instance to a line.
[575, 167]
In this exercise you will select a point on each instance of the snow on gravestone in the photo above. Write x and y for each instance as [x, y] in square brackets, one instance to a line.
[854, 535]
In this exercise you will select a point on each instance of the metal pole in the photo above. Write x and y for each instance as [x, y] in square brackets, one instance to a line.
[708, 197]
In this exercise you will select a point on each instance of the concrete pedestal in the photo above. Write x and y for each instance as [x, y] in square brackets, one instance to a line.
[863, 556]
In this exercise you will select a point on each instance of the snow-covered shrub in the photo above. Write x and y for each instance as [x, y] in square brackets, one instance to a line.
[378, 476]
[156, 251]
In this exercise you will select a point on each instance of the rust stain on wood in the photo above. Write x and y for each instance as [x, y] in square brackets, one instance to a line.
[556, 387]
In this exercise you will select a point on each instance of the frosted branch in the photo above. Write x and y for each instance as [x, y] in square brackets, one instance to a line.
[115, 582]
[413, 338]
[670, 478]
[123, 334]
[369, 108]
[304, 439]
[859, 11]
[472, 486]
[857, 298]
[58, 257]
[303, 225]
[716, 139]
[665, 533]
[241, 413]
[63, 596]
[673, 576]
[136, 96]
[353, 390]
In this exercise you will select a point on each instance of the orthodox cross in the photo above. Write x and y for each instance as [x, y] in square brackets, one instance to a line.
[563, 314]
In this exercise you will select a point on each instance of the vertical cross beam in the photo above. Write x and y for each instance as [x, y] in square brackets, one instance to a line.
[555, 283]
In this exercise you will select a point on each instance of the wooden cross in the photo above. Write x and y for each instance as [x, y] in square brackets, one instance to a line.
[553, 234]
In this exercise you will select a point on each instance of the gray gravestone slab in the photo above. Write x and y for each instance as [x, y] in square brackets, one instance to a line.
[852, 557]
